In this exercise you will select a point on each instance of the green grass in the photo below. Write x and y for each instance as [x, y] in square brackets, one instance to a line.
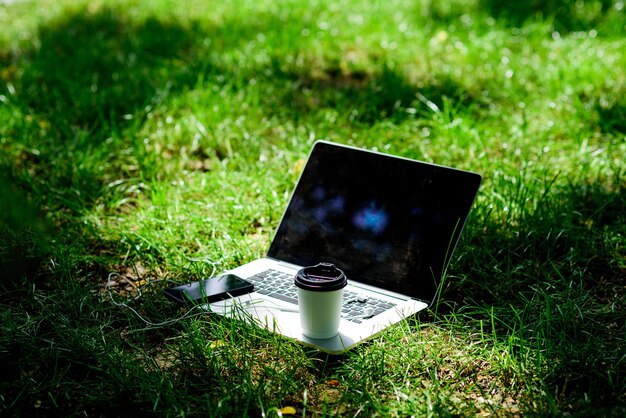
[161, 141]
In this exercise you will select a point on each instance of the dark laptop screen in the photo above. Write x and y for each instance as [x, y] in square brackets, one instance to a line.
[386, 221]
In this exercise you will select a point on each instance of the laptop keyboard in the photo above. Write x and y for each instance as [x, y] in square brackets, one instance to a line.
[279, 285]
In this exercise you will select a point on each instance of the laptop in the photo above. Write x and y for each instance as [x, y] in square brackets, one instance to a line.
[390, 223]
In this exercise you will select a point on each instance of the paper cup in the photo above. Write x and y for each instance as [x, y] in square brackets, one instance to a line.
[320, 295]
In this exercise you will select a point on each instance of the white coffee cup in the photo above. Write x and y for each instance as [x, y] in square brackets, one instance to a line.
[320, 294]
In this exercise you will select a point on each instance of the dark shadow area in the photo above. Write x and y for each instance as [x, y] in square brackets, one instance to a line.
[572, 224]
[554, 281]
[370, 97]
[89, 71]
[612, 118]
[566, 15]
[93, 68]
[23, 232]
[65, 343]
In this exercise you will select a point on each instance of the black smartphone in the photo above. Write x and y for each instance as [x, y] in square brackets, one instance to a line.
[209, 290]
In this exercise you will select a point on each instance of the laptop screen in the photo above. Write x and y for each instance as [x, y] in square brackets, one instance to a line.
[385, 221]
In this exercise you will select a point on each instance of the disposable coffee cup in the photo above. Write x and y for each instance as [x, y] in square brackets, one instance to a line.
[320, 294]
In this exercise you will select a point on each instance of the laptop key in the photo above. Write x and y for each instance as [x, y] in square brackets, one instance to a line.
[284, 297]
[378, 311]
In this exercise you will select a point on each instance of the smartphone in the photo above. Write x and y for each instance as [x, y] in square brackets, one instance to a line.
[209, 290]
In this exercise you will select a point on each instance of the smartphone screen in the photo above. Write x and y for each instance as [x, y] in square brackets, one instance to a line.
[209, 290]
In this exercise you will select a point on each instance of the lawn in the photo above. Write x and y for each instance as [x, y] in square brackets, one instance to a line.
[144, 143]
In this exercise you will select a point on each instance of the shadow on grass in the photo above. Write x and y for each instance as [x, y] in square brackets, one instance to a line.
[74, 90]
[566, 16]
[370, 98]
[554, 283]
[612, 118]
[91, 69]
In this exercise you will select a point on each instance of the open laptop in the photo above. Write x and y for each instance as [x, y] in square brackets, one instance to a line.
[390, 223]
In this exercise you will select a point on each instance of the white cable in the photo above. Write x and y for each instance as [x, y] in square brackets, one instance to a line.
[207, 261]
[139, 294]
[252, 304]
[367, 313]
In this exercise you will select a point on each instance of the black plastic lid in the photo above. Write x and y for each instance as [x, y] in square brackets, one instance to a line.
[323, 277]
